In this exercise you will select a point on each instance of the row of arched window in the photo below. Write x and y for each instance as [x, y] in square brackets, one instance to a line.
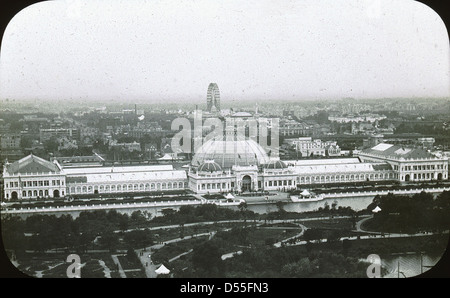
[347, 177]
[40, 193]
[127, 187]
[278, 183]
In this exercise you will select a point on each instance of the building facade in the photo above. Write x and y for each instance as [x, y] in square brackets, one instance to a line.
[220, 166]
[46, 134]
[10, 141]
[33, 177]
[307, 146]
[408, 163]
[110, 179]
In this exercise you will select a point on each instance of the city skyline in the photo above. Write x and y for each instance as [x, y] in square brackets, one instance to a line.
[149, 51]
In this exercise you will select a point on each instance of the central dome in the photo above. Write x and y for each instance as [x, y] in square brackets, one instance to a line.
[276, 165]
[229, 153]
[209, 166]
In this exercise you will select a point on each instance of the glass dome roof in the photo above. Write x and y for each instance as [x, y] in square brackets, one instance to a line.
[276, 164]
[209, 166]
[229, 153]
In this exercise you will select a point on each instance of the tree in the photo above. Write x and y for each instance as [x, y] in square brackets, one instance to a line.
[12, 233]
[138, 218]
[334, 205]
[312, 234]
[280, 206]
[242, 207]
[51, 145]
[84, 240]
[131, 255]
[110, 240]
[332, 235]
[123, 222]
[168, 212]
[138, 238]
[346, 244]
[301, 269]
[206, 259]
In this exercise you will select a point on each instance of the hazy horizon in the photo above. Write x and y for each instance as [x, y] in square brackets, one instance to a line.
[41, 106]
[256, 51]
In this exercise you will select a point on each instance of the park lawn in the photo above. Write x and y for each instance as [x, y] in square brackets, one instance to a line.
[135, 274]
[332, 223]
[54, 265]
[40, 264]
[165, 234]
[381, 246]
[263, 236]
[250, 237]
[92, 269]
[127, 264]
[105, 257]
[172, 250]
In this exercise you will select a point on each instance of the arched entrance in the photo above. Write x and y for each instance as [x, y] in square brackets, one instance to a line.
[14, 195]
[439, 176]
[407, 177]
[56, 193]
[246, 183]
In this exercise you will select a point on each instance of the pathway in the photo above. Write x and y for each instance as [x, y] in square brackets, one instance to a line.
[180, 255]
[117, 262]
[106, 270]
[145, 254]
[278, 244]
[360, 222]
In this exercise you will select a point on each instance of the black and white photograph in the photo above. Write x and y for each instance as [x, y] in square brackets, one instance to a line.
[230, 140]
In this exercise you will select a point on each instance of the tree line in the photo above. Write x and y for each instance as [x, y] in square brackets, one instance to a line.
[410, 214]
[39, 233]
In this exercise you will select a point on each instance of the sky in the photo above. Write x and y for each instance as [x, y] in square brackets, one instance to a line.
[157, 51]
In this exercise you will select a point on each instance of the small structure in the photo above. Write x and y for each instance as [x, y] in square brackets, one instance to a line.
[162, 270]
[229, 196]
[376, 209]
[305, 193]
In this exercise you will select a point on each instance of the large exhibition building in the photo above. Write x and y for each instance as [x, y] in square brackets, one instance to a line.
[220, 166]
[228, 164]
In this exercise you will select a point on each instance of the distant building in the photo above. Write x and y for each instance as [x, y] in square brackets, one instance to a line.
[426, 143]
[307, 146]
[167, 152]
[134, 146]
[4, 127]
[150, 150]
[10, 146]
[333, 150]
[362, 127]
[89, 133]
[10, 141]
[292, 127]
[371, 118]
[67, 144]
[78, 161]
[46, 134]
[373, 140]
